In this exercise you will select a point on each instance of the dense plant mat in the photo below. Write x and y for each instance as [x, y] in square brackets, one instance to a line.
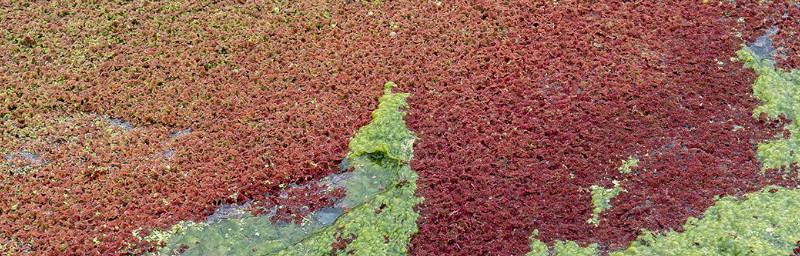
[559, 94]
[219, 103]
[120, 119]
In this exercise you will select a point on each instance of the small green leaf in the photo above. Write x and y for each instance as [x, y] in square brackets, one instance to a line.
[601, 200]
[628, 165]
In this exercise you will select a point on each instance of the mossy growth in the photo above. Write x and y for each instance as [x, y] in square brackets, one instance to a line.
[560, 248]
[764, 223]
[380, 193]
[570, 248]
[601, 200]
[628, 165]
[779, 94]
[386, 134]
[538, 248]
[248, 235]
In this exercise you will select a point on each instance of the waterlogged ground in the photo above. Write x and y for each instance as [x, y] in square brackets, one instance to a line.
[399, 127]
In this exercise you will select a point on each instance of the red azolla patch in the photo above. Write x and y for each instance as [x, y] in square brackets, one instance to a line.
[553, 97]
[90, 170]
[267, 102]
[788, 37]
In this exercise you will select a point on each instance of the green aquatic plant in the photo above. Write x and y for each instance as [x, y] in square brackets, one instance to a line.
[628, 165]
[538, 248]
[570, 248]
[560, 248]
[380, 192]
[386, 134]
[779, 94]
[601, 200]
[382, 225]
[763, 223]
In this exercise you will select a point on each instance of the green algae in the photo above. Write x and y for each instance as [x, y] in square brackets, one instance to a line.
[538, 248]
[601, 200]
[236, 236]
[560, 248]
[763, 223]
[628, 165]
[779, 94]
[565, 248]
[384, 224]
[380, 192]
[386, 133]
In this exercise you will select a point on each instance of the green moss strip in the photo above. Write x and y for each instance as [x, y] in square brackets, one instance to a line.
[570, 248]
[628, 165]
[387, 134]
[381, 191]
[601, 200]
[384, 224]
[779, 94]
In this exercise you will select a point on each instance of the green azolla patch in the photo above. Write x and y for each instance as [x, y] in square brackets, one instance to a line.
[601, 200]
[764, 223]
[386, 134]
[538, 248]
[779, 94]
[570, 248]
[560, 248]
[380, 192]
[628, 165]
